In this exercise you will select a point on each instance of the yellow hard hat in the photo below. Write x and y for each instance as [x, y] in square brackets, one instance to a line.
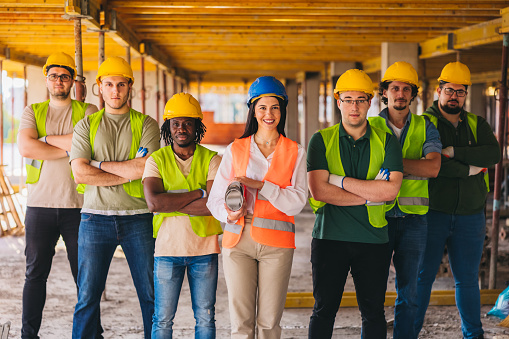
[457, 73]
[60, 59]
[114, 66]
[354, 80]
[401, 71]
[182, 105]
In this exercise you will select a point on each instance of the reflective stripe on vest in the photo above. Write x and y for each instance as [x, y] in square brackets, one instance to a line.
[472, 123]
[413, 196]
[175, 182]
[135, 187]
[330, 136]
[33, 166]
[270, 226]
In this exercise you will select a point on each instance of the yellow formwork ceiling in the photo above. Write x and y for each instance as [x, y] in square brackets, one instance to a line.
[236, 40]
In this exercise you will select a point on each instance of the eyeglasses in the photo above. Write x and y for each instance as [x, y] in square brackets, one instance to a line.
[63, 77]
[459, 92]
[351, 102]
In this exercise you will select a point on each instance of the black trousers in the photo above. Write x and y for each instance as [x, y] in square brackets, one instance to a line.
[369, 265]
[43, 228]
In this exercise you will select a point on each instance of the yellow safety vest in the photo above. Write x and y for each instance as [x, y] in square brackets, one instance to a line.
[413, 196]
[33, 166]
[175, 182]
[472, 123]
[377, 140]
[135, 187]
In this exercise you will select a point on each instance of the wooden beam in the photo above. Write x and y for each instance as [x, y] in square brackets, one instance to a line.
[21, 57]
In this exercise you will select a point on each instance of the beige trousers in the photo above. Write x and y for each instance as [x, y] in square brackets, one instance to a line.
[257, 280]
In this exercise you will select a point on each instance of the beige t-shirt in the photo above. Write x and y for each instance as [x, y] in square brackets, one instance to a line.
[112, 143]
[176, 237]
[55, 188]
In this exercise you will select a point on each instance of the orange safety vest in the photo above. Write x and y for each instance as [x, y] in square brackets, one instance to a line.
[270, 226]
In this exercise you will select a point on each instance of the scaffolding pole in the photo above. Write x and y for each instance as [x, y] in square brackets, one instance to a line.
[1, 116]
[100, 59]
[158, 95]
[80, 80]
[128, 59]
[501, 116]
[165, 91]
[13, 141]
[143, 84]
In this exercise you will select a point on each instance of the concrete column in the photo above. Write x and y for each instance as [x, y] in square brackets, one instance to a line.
[311, 97]
[476, 100]
[400, 51]
[336, 69]
[292, 110]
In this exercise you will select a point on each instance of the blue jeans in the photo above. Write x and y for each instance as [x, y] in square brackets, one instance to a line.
[407, 238]
[99, 236]
[168, 276]
[464, 236]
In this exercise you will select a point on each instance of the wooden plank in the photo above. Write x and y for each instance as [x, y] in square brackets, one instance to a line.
[441, 298]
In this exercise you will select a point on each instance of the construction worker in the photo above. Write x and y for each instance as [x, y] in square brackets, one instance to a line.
[353, 168]
[53, 205]
[259, 236]
[457, 198]
[108, 157]
[177, 180]
[421, 147]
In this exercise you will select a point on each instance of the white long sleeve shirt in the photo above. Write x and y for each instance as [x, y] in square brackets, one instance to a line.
[290, 200]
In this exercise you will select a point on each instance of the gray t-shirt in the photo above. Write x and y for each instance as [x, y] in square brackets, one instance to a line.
[112, 143]
[56, 187]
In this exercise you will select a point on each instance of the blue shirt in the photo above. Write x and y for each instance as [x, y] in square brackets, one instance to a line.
[431, 144]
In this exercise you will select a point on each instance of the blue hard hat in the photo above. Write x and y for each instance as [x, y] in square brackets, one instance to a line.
[264, 87]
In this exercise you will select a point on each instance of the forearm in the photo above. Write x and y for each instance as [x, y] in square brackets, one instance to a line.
[32, 148]
[197, 207]
[334, 195]
[481, 156]
[426, 168]
[129, 169]
[451, 168]
[170, 202]
[63, 142]
[89, 175]
[374, 190]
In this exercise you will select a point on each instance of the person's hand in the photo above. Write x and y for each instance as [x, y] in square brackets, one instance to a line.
[141, 152]
[448, 152]
[251, 183]
[234, 216]
[383, 174]
[474, 170]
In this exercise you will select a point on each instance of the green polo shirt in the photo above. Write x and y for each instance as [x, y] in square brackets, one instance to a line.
[351, 223]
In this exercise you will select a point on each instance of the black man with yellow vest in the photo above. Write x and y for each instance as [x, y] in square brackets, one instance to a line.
[53, 205]
[353, 168]
[421, 147]
[109, 151]
[176, 182]
[457, 198]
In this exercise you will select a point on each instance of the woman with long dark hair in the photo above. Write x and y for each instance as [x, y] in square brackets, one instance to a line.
[269, 170]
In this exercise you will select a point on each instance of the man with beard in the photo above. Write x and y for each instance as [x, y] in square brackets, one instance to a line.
[457, 197]
[108, 157]
[353, 168]
[177, 180]
[53, 205]
[406, 215]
